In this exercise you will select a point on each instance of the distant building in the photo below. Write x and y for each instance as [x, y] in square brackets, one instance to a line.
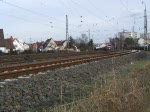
[34, 47]
[5, 44]
[126, 34]
[19, 46]
[2, 43]
[141, 42]
[49, 45]
[142, 36]
[61, 45]
[40, 46]
[134, 34]
[9, 45]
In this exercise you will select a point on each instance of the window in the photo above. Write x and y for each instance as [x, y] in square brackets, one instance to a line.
[16, 45]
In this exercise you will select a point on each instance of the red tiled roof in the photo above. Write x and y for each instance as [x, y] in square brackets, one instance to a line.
[9, 43]
[59, 43]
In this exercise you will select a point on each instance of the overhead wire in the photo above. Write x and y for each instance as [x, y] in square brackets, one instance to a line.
[126, 7]
[34, 12]
[75, 11]
[86, 9]
[94, 6]
[65, 6]
[78, 13]
[109, 20]
[69, 9]
[32, 21]
[23, 18]
[31, 11]
[28, 10]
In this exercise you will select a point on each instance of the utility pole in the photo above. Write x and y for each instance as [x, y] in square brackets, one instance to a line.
[92, 37]
[89, 34]
[30, 40]
[145, 26]
[133, 35]
[67, 31]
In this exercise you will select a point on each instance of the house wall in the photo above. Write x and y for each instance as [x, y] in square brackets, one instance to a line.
[48, 49]
[18, 46]
[7, 50]
[3, 49]
[34, 47]
[63, 46]
[26, 47]
[141, 42]
[50, 46]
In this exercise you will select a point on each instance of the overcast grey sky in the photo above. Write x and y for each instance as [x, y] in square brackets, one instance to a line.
[42, 19]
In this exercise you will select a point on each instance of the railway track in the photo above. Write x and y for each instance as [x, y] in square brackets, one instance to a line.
[15, 71]
[17, 59]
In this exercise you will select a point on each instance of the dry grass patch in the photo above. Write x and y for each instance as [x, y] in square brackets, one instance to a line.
[130, 93]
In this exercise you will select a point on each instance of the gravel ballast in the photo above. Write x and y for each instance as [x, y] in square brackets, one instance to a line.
[30, 92]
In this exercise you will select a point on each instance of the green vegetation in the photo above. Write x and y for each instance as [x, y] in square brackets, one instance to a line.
[82, 43]
[122, 42]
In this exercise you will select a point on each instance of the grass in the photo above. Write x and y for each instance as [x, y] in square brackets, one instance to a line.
[119, 93]
[126, 90]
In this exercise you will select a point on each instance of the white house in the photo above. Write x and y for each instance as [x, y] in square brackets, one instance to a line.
[141, 42]
[61, 45]
[49, 45]
[20, 46]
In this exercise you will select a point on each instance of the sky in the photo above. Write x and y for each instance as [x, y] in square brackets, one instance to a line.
[38, 20]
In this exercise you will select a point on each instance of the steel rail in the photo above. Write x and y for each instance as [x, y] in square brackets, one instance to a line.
[39, 57]
[11, 68]
[58, 65]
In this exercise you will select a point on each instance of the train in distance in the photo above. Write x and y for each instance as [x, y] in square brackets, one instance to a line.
[103, 47]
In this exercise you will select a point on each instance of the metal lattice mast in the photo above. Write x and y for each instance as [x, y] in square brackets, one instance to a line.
[145, 24]
[67, 30]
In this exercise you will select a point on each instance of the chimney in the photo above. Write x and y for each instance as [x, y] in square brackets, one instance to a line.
[1, 34]
[2, 43]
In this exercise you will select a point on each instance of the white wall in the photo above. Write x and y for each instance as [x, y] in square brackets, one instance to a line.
[3, 49]
[141, 42]
[51, 46]
[18, 46]
[26, 47]
[63, 46]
